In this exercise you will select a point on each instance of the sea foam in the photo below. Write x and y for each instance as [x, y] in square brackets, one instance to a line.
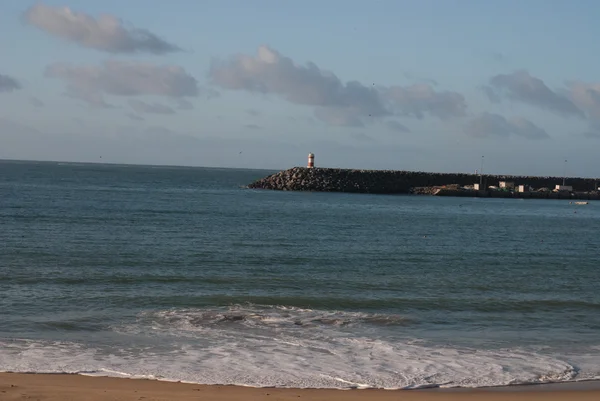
[274, 346]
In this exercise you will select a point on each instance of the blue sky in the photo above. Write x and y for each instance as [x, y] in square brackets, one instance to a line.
[421, 85]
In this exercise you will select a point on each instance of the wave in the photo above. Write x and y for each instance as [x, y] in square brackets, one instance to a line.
[286, 346]
[268, 316]
[348, 363]
[385, 302]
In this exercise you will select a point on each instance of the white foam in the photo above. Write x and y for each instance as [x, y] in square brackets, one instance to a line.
[267, 348]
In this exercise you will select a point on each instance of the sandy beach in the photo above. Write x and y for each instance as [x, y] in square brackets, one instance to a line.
[57, 387]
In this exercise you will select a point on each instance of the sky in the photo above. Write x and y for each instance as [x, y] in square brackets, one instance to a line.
[428, 85]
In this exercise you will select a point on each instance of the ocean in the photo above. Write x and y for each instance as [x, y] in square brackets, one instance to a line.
[178, 273]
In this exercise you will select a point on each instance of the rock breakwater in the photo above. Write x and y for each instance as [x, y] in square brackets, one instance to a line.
[336, 180]
[395, 182]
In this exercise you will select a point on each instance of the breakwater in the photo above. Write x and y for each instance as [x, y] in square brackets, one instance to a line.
[399, 182]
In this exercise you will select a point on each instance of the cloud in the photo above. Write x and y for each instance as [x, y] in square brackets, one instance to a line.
[106, 33]
[587, 97]
[184, 104]
[270, 72]
[497, 56]
[135, 117]
[396, 126]
[212, 93]
[592, 134]
[150, 108]
[253, 112]
[491, 94]
[8, 84]
[37, 103]
[526, 129]
[522, 87]
[488, 125]
[335, 102]
[122, 78]
[594, 130]
[252, 126]
[421, 99]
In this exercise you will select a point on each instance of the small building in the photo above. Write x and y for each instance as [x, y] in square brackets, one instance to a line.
[478, 187]
[523, 188]
[564, 188]
[507, 184]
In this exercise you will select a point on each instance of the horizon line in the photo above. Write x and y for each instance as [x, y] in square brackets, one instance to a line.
[2, 160]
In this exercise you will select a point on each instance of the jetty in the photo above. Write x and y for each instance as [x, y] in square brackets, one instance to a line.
[315, 179]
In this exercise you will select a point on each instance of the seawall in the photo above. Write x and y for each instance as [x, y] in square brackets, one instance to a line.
[397, 182]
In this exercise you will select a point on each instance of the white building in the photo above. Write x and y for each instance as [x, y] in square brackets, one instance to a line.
[507, 184]
[564, 188]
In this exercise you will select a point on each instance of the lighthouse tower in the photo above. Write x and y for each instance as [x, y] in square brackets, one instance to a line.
[311, 160]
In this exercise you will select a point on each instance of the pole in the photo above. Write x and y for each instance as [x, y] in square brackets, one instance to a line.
[481, 174]
[565, 173]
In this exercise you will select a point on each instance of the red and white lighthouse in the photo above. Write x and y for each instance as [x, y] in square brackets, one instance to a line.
[311, 160]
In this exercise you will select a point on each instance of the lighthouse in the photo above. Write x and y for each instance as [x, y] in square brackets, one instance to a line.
[311, 160]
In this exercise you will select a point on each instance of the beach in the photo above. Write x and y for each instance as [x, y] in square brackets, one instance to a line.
[59, 387]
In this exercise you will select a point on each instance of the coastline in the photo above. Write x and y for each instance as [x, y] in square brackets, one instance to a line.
[55, 387]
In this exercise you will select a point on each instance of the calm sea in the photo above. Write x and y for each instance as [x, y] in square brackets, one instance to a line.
[182, 274]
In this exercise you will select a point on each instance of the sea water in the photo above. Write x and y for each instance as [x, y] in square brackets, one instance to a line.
[180, 273]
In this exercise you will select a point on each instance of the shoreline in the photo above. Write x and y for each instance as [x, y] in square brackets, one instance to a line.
[63, 386]
[588, 383]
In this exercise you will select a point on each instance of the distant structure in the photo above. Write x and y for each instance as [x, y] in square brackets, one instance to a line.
[563, 188]
[507, 184]
[311, 160]
[523, 188]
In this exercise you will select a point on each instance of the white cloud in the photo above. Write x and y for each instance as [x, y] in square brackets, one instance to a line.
[488, 125]
[122, 78]
[106, 33]
[335, 102]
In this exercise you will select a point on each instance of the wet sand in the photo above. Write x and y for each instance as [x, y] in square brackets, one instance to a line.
[62, 387]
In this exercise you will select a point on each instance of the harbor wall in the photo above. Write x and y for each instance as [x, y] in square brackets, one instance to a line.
[583, 195]
[398, 182]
